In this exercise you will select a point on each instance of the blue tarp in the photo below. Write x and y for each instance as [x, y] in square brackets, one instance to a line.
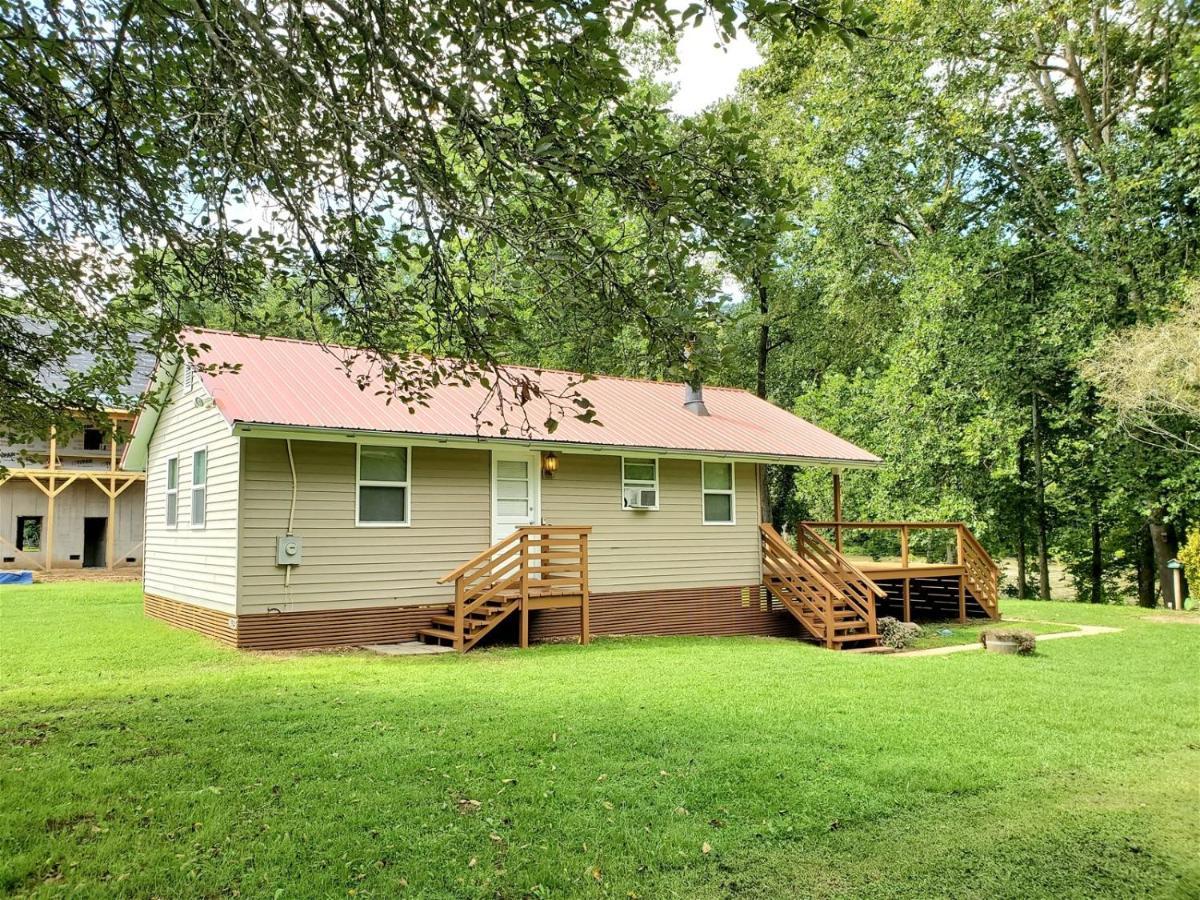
[16, 578]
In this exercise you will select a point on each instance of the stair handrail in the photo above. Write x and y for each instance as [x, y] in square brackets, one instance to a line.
[483, 556]
[980, 550]
[856, 588]
[809, 569]
[987, 583]
[802, 528]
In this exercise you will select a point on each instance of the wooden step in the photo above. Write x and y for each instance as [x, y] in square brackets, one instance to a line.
[470, 623]
[866, 636]
[437, 634]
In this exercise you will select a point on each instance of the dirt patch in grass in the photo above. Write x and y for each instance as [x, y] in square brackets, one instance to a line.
[89, 576]
[1176, 619]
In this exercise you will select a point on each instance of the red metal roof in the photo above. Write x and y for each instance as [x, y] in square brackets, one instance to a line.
[301, 384]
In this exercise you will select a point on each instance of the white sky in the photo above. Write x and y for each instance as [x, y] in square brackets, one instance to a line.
[707, 73]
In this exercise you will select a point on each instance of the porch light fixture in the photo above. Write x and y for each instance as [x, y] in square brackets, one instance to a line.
[549, 464]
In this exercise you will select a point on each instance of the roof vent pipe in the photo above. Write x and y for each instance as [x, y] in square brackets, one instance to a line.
[693, 399]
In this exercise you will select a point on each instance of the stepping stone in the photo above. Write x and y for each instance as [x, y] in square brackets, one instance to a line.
[407, 648]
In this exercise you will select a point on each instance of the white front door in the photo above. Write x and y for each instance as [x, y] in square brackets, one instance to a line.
[515, 498]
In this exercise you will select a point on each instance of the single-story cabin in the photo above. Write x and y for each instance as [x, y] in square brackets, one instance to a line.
[289, 504]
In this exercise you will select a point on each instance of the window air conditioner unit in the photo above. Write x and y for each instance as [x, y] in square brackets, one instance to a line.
[640, 498]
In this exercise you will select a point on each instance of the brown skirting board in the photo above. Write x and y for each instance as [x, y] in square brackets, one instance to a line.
[695, 611]
[333, 627]
[209, 622]
[691, 611]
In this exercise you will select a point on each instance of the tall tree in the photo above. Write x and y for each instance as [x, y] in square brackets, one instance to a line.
[982, 197]
[374, 158]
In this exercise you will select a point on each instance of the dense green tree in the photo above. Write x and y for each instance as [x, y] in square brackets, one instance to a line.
[985, 189]
[378, 160]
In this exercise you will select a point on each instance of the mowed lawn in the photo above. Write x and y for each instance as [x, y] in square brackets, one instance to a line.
[143, 761]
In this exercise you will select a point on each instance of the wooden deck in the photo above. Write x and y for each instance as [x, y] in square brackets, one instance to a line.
[973, 573]
[886, 570]
[834, 597]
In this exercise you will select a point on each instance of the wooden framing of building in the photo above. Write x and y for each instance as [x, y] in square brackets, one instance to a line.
[121, 489]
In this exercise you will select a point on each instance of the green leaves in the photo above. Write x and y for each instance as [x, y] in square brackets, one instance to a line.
[956, 236]
[406, 174]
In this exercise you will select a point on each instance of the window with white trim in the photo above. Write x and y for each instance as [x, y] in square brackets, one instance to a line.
[383, 485]
[639, 482]
[717, 492]
[173, 490]
[189, 376]
[199, 488]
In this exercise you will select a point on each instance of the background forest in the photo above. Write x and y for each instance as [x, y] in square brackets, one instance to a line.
[960, 233]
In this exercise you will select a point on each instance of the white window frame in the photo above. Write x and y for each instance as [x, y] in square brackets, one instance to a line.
[193, 487]
[189, 377]
[406, 484]
[171, 492]
[634, 482]
[731, 492]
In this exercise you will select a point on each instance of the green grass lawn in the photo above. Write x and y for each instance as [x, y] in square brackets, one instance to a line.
[143, 761]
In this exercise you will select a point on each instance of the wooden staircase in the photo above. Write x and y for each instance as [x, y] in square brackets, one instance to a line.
[823, 590]
[535, 567]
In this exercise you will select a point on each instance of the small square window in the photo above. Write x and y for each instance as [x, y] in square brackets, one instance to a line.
[383, 485]
[93, 439]
[717, 494]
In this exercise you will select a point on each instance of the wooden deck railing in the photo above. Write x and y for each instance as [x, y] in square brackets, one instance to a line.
[533, 563]
[981, 574]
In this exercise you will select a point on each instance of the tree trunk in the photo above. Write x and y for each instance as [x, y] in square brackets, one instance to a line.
[1163, 539]
[1145, 567]
[1022, 572]
[781, 505]
[1022, 519]
[760, 385]
[1040, 495]
[1097, 568]
[764, 334]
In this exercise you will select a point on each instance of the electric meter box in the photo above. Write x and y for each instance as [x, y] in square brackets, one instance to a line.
[288, 550]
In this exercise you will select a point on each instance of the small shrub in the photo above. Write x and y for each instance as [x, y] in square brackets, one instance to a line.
[1189, 555]
[896, 634]
[1025, 640]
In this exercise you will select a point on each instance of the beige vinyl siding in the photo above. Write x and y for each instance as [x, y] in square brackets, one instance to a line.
[195, 565]
[348, 566]
[655, 549]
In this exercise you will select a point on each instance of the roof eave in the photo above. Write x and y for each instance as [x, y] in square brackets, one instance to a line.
[270, 429]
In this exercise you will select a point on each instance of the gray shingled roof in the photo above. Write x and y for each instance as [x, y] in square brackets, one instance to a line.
[85, 360]
[57, 376]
